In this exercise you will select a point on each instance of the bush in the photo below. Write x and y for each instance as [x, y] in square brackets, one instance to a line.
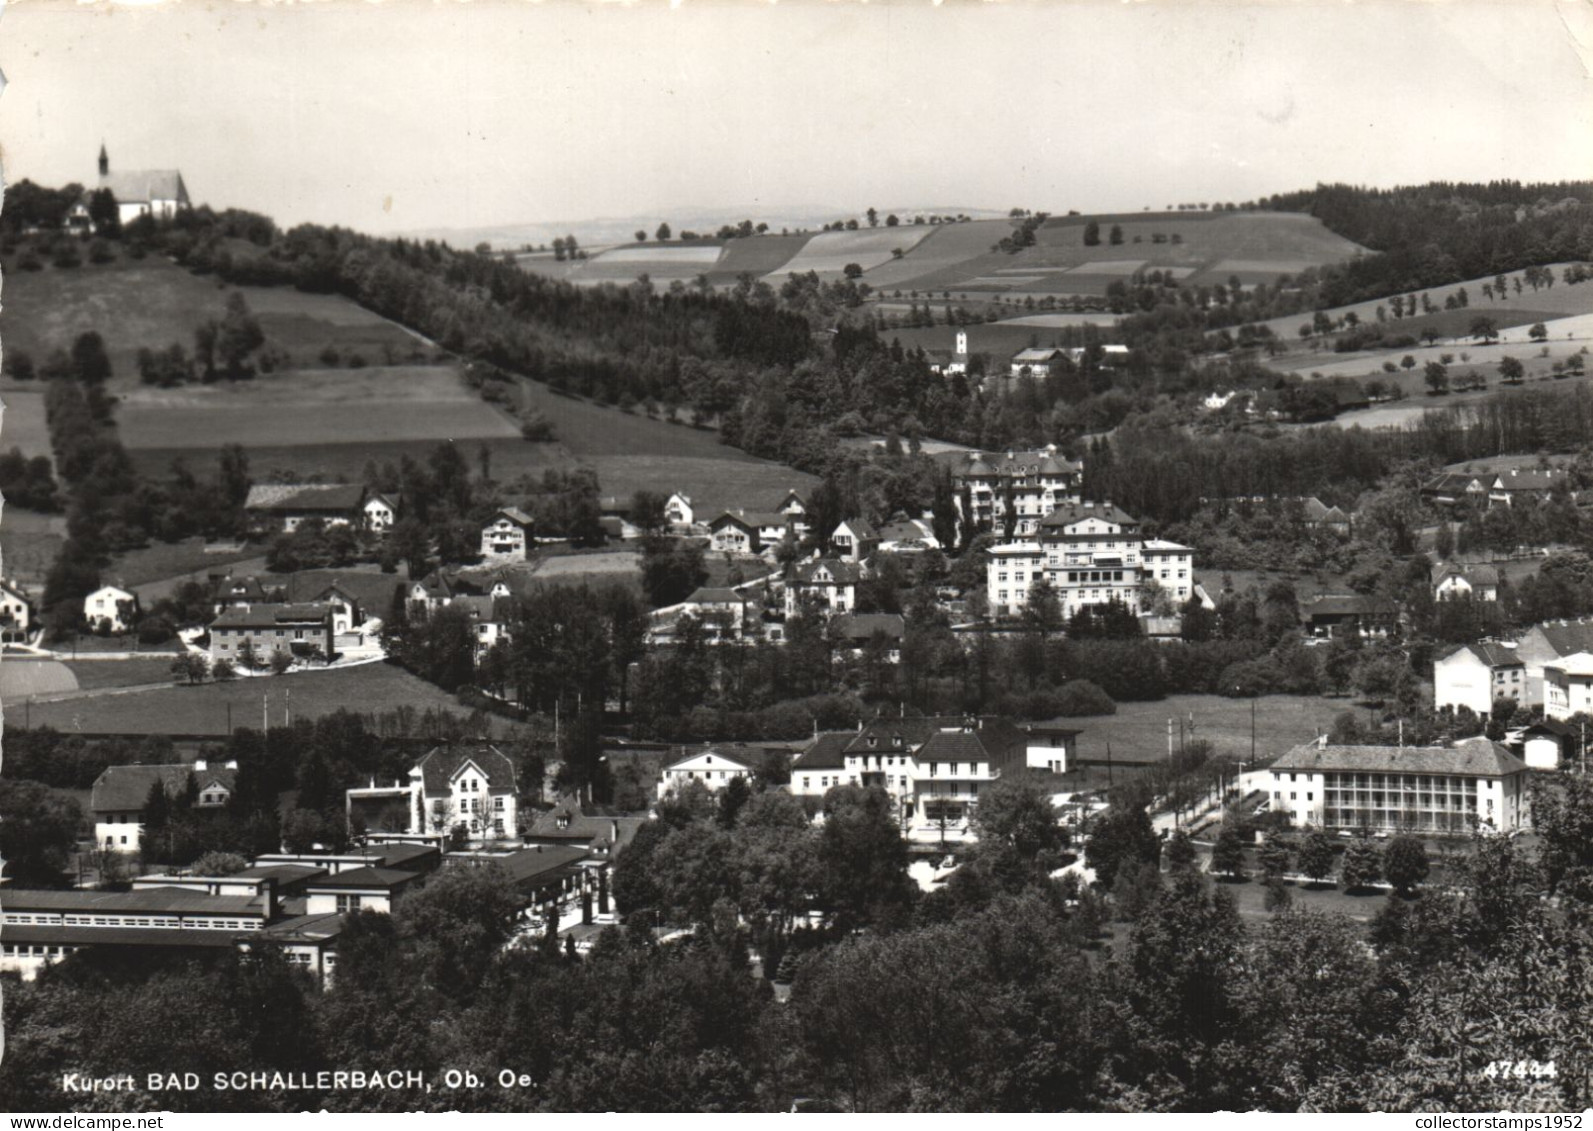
[155, 630]
[1081, 697]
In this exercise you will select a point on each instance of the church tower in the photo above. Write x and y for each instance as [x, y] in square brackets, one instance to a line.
[962, 336]
[105, 161]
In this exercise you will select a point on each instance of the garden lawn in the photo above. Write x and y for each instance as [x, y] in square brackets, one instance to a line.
[95, 674]
[366, 689]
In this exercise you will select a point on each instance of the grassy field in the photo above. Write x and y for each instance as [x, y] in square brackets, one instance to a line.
[828, 253]
[1254, 246]
[161, 560]
[756, 256]
[368, 689]
[1138, 732]
[310, 407]
[153, 302]
[23, 424]
[95, 674]
[945, 247]
[20, 678]
[29, 543]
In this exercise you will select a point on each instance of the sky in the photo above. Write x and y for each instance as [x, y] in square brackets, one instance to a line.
[413, 115]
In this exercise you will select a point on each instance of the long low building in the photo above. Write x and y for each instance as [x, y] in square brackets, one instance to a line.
[1473, 785]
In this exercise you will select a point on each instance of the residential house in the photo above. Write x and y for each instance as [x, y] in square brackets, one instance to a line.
[1331, 616]
[862, 631]
[1034, 482]
[1320, 516]
[1092, 554]
[120, 793]
[471, 785]
[240, 593]
[110, 608]
[489, 620]
[614, 515]
[679, 513]
[1477, 581]
[795, 509]
[16, 612]
[381, 511]
[507, 538]
[274, 507]
[1568, 686]
[825, 585]
[713, 768]
[304, 631]
[747, 532]
[724, 614]
[1475, 675]
[1474, 784]
[1052, 746]
[1545, 643]
[853, 540]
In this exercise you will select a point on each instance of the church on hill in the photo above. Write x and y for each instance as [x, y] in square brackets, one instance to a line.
[159, 193]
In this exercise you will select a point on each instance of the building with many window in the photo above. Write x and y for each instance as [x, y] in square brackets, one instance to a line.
[1032, 483]
[470, 785]
[1092, 554]
[1473, 785]
[120, 793]
[1568, 686]
[1475, 675]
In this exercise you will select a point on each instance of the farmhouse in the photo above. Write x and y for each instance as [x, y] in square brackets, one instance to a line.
[472, 786]
[120, 793]
[714, 768]
[381, 511]
[823, 586]
[724, 614]
[256, 631]
[907, 536]
[1475, 675]
[110, 608]
[1531, 485]
[678, 512]
[1035, 362]
[16, 612]
[1452, 488]
[273, 507]
[507, 537]
[860, 631]
[1474, 784]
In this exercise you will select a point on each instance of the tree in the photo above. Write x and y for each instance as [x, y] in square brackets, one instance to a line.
[873, 218]
[1180, 852]
[1315, 856]
[89, 359]
[1274, 857]
[190, 667]
[1228, 854]
[671, 570]
[219, 864]
[862, 858]
[641, 235]
[1485, 329]
[223, 671]
[1015, 818]
[281, 661]
[1511, 371]
[1116, 236]
[38, 830]
[1092, 234]
[648, 511]
[237, 335]
[663, 233]
[456, 926]
[1436, 374]
[1405, 863]
[1123, 832]
[1408, 362]
[1362, 865]
[853, 271]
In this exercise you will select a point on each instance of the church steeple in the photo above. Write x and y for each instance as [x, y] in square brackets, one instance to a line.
[105, 161]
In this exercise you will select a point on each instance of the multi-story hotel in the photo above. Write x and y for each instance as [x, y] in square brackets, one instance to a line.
[1035, 482]
[1092, 554]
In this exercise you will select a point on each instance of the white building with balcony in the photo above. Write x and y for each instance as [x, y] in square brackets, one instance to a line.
[1092, 554]
[1035, 482]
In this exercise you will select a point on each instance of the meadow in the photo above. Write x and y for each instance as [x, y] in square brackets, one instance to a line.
[153, 302]
[310, 407]
[828, 253]
[367, 689]
[22, 425]
[29, 543]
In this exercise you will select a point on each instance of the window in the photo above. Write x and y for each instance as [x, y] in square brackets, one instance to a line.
[348, 903]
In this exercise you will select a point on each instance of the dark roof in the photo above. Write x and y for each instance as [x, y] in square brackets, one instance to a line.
[1033, 462]
[122, 936]
[158, 899]
[1347, 605]
[826, 751]
[513, 514]
[1450, 482]
[373, 592]
[531, 863]
[615, 832]
[860, 529]
[1066, 514]
[269, 616]
[440, 765]
[751, 520]
[1052, 726]
[436, 583]
[1568, 637]
[400, 855]
[247, 589]
[363, 878]
[1528, 479]
[1492, 653]
[1479, 573]
[282, 873]
[1551, 726]
[1475, 757]
[863, 626]
[996, 741]
[904, 530]
[307, 928]
[123, 789]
